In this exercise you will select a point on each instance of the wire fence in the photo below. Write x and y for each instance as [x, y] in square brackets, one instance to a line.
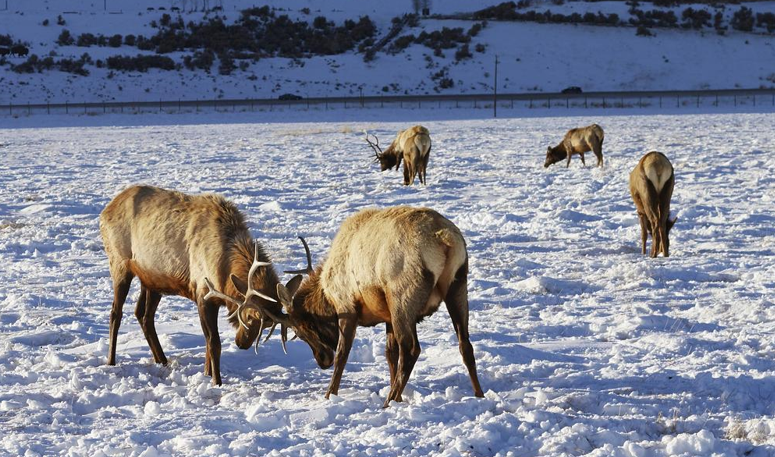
[761, 98]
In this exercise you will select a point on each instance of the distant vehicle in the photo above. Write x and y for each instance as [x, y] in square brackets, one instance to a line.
[289, 97]
[572, 90]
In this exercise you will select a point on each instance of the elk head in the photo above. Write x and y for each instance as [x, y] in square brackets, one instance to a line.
[320, 330]
[553, 155]
[387, 159]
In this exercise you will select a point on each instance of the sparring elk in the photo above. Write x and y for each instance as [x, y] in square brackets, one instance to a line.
[185, 245]
[651, 187]
[413, 145]
[577, 141]
[395, 266]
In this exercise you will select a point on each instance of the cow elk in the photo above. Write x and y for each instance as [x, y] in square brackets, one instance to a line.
[413, 145]
[184, 245]
[651, 187]
[577, 141]
[394, 266]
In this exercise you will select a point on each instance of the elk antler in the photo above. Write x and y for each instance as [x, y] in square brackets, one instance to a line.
[308, 270]
[251, 292]
[375, 147]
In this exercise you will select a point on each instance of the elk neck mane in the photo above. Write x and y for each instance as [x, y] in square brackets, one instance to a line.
[559, 152]
[311, 298]
[238, 256]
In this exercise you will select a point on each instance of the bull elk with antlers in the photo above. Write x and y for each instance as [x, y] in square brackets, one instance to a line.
[413, 145]
[184, 245]
[394, 266]
[651, 187]
[577, 141]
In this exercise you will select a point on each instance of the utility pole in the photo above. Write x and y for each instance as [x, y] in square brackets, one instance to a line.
[495, 90]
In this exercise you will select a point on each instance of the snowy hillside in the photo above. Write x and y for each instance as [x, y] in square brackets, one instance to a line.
[533, 57]
[584, 347]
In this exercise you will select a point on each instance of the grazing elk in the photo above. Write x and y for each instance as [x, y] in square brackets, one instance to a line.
[175, 244]
[651, 187]
[20, 50]
[413, 145]
[577, 141]
[394, 266]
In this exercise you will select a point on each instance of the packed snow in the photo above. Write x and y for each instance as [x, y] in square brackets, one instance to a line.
[533, 57]
[583, 345]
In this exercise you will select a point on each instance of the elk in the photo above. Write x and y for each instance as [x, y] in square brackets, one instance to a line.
[395, 266]
[19, 50]
[651, 187]
[185, 245]
[413, 145]
[577, 141]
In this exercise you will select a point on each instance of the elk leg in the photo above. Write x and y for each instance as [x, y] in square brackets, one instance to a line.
[120, 291]
[208, 317]
[408, 173]
[597, 149]
[656, 238]
[583, 163]
[347, 325]
[391, 354]
[457, 306]
[644, 233]
[146, 318]
[408, 353]
[424, 167]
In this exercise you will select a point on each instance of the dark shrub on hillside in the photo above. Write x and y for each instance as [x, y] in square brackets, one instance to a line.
[766, 20]
[115, 41]
[86, 40]
[65, 39]
[140, 63]
[227, 65]
[446, 38]
[463, 53]
[60, 20]
[695, 19]
[401, 43]
[6, 40]
[742, 20]
[653, 18]
[129, 40]
[72, 66]
[507, 12]
[202, 60]
[475, 29]
[643, 31]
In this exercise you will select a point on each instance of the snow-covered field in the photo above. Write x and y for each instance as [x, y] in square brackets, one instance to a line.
[584, 347]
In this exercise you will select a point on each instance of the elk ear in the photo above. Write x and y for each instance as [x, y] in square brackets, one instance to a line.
[239, 284]
[286, 292]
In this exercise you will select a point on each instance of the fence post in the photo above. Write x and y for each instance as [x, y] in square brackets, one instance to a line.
[84, 107]
[104, 109]
[566, 103]
[160, 105]
[677, 101]
[603, 102]
[10, 108]
[660, 101]
[178, 105]
[531, 103]
[28, 107]
[698, 101]
[716, 99]
[48, 107]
